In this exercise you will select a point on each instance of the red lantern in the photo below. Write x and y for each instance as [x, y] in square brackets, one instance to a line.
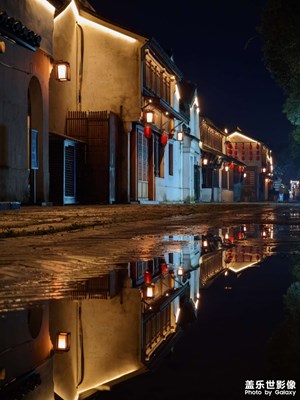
[147, 277]
[240, 168]
[164, 139]
[147, 131]
[250, 146]
[240, 235]
[231, 166]
[164, 268]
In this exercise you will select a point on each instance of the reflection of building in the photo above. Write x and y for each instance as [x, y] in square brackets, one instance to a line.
[25, 354]
[122, 323]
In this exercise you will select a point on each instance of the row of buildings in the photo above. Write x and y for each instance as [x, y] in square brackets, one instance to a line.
[91, 112]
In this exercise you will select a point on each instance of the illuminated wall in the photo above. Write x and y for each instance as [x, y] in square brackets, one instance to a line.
[105, 67]
[24, 71]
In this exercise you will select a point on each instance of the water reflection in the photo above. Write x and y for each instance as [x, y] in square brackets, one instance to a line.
[119, 324]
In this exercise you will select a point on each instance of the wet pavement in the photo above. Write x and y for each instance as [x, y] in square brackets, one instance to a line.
[237, 261]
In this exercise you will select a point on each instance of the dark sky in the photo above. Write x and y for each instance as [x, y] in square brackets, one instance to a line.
[216, 45]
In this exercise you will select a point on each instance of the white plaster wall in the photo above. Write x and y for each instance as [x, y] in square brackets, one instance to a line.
[35, 15]
[169, 188]
[110, 71]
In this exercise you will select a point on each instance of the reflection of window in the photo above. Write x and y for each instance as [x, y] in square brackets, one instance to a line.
[170, 159]
[206, 177]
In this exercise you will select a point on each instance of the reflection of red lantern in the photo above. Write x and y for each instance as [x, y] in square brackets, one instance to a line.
[164, 139]
[147, 131]
[147, 277]
[164, 268]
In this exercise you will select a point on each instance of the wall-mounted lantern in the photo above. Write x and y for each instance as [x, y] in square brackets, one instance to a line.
[62, 71]
[149, 116]
[205, 161]
[63, 341]
[180, 271]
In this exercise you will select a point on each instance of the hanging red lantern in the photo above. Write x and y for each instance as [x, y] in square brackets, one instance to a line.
[147, 131]
[164, 268]
[240, 168]
[257, 146]
[240, 235]
[236, 145]
[231, 166]
[147, 277]
[164, 139]
[250, 146]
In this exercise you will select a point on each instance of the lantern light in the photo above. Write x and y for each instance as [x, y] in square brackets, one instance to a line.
[205, 243]
[147, 131]
[149, 116]
[180, 136]
[62, 71]
[180, 271]
[63, 341]
[226, 168]
[164, 139]
[205, 161]
[147, 277]
[150, 291]
[226, 236]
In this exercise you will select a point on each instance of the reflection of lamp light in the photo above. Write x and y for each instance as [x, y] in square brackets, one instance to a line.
[149, 291]
[63, 341]
[180, 136]
[62, 71]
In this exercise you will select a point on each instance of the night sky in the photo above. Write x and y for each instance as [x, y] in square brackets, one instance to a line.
[216, 45]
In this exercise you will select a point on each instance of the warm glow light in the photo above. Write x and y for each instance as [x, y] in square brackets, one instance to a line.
[226, 236]
[205, 161]
[149, 117]
[47, 5]
[63, 341]
[236, 270]
[177, 314]
[226, 130]
[243, 136]
[96, 25]
[150, 292]
[177, 94]
[245, 175]
[62, 71]
[102, 383]
[205, 243]
[226, 168]
[180, 271]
